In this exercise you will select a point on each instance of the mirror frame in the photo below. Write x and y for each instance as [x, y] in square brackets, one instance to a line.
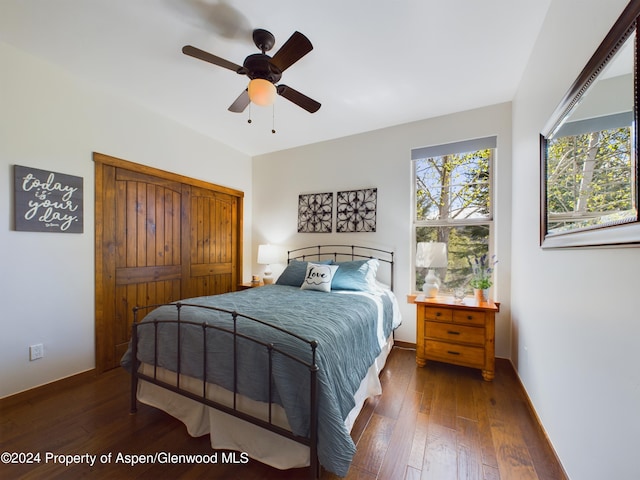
[625, 234]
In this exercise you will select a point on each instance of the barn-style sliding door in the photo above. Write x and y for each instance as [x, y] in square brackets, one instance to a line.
[160, 237]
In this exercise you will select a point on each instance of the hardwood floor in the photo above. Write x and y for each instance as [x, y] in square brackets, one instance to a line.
[439, 422]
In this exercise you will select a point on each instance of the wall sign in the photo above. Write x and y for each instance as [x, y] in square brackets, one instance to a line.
[47, 201]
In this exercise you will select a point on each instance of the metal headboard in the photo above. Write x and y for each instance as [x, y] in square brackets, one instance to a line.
[342, 253]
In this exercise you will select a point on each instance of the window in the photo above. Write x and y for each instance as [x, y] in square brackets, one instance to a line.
[453, 205]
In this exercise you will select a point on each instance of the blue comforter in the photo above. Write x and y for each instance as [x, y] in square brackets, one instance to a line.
[345, 325]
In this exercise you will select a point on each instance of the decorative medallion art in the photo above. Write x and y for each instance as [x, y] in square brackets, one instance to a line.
[315, 213]
[356, 210]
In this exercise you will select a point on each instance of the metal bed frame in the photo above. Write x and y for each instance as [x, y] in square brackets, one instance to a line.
[271, 350]
[319, 252]
[339, 253]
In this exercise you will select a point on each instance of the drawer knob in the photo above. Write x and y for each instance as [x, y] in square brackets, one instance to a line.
[452, 352]
[451, 332]
[438, 314]
[469, 317]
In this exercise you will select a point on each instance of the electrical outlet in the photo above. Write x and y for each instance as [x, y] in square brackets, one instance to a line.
[36, 351]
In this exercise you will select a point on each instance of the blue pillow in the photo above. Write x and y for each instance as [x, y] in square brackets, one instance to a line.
[295, 272]
[356, 275]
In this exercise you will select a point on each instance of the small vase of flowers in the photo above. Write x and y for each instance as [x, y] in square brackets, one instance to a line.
[481, 276]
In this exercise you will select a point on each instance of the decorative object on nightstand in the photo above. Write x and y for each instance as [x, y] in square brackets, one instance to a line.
[459, 293]
[481, 280]
[458, 333]
[431, 255]
[268, 254]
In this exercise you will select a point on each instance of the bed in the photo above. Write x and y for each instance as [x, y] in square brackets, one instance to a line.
[278, 373]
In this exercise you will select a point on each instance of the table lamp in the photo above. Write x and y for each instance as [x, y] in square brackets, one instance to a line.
[431, 255]
[268, 254]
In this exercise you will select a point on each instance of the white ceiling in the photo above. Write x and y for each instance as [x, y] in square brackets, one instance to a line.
[375, 63]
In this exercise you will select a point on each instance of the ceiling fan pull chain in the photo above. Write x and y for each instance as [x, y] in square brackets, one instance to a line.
[273, 118]
[249, 121]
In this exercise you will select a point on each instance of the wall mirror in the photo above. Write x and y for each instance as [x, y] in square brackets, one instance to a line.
[588, 150]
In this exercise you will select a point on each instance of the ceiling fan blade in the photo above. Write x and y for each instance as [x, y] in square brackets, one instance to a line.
[209, 57]
[298, 98]
[293, 50]
[240, 103]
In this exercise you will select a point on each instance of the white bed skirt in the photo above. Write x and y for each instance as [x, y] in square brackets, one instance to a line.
[231, 433]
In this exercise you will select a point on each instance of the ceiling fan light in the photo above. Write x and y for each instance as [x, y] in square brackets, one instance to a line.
[262, 92]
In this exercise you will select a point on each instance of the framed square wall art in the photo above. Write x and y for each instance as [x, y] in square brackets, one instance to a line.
[315, 213]
[356, 210]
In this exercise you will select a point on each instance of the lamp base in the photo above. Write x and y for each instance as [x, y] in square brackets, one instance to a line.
[430, 290]
[431, 285]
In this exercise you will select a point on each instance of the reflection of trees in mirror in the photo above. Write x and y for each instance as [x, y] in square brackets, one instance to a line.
[590, 180]
[590, 186]
[452, 190]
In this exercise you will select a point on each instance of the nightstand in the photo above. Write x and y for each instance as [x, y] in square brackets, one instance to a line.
[457, 333]
[245, 286]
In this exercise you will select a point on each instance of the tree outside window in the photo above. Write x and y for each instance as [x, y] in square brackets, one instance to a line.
[453, 206]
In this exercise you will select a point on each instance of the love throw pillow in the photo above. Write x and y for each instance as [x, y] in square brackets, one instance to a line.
[318, 277]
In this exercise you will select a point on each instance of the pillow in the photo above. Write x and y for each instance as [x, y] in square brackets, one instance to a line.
[356, 275]
[318, 277]
[295, 272]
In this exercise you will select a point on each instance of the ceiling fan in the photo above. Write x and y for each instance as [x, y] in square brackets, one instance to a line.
[264, 71]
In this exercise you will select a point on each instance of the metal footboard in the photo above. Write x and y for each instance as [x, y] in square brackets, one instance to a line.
[232, 329]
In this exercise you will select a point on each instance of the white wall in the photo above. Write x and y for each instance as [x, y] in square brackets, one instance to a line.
[575, 315]
[50, 121]
[381, 159]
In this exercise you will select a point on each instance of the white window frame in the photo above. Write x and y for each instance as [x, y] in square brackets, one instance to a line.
[445, 149]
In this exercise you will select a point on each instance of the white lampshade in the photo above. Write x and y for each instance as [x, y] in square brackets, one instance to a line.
[269, 254]
[262, 92]
[431, 255]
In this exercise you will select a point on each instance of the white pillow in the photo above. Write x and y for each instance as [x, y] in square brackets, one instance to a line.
[319, 277]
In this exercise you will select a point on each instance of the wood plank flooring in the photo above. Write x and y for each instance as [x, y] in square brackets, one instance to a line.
[439, 422]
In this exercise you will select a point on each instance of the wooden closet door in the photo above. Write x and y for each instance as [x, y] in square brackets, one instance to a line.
[143, 226]
[158, 240]
[212, 257]
[148, 251]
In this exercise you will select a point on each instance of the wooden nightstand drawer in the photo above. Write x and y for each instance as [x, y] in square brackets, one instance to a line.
[469, 316]
[438, 314]
[453, 353]
[455, 333]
